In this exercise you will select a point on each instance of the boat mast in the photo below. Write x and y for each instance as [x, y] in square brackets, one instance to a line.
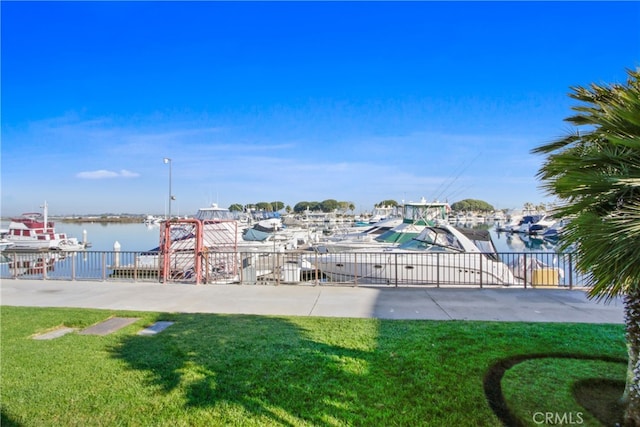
[45, 211]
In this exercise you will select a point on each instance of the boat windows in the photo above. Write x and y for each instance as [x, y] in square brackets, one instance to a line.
[434, 239]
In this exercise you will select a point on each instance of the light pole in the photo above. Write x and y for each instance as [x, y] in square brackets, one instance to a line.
[168, 160]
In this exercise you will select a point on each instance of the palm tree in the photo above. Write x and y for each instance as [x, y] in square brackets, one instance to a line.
[595, 174]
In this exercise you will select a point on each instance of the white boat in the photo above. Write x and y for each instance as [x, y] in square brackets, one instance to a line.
[512, 225]
[554, 231]
[151, 220]
[224, 230]
[415, 217]
[352, 239]
[221, 242]
[214, 212]
[381, 213]
[4, 242]
[539, 225]
[440, 254]
[271, 233]
[34, 231]
[498, 216]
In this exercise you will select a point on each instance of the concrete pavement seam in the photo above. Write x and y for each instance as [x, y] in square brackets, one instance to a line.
[436, 303]
[315, 303]
[561, 301]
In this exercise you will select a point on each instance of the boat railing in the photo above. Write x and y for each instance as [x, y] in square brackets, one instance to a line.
[521, 269]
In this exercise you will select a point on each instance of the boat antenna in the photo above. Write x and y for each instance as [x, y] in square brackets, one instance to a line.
[463, 169]
[45, 211]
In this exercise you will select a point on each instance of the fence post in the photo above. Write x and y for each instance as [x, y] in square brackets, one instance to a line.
[395, 261]
[525, 270]
[104, 266]
[135, 268]
[116, 254]
[570, 271]
[355, 269]
[14, 263]
[74, 254]
[480, 259]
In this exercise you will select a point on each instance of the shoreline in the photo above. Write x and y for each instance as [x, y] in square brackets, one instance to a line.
[108, 220]
[93, 219]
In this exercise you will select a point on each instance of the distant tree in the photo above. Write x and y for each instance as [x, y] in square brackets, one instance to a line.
[468, 205]
[541, 207]
[264, 206]
[329, 205]
[276, 206]
[529, 207]
[300, 207]
[236, 207]
[596, 176]
[288, 209]
[346, 206]
[315, 206]
[387, 203]
[304, 206]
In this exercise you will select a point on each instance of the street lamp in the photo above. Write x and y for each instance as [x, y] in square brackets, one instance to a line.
[168, 160]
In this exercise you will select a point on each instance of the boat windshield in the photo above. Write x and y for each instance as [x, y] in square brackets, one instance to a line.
[433, 239]
[214, 212]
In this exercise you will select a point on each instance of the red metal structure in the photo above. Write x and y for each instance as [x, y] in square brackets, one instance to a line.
[193, 250]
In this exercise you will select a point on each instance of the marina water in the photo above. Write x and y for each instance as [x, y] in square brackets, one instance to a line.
[102, 236]
[140, 237]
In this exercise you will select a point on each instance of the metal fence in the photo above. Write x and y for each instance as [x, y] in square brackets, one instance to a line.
[438, 269]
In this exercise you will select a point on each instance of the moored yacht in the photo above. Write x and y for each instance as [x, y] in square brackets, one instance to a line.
[441, 254]
[4, 242]
[415, 217]
[34, 231]
[381, 213]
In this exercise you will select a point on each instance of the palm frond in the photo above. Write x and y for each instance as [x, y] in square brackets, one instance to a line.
[596, 176]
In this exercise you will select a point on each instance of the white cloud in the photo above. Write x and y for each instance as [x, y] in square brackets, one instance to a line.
[105, 174]
[128, 174]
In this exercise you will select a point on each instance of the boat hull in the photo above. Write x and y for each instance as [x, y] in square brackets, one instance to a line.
[415, 268]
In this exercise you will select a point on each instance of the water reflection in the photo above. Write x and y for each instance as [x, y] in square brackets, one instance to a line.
[131, 237]
[515, 242]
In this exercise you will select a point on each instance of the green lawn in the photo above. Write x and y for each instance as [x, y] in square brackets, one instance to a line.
[239, 370]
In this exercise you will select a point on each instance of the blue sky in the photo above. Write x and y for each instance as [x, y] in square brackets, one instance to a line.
[293, 101]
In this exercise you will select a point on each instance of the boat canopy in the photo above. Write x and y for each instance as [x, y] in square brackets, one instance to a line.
[425, 213]
[254, 235]
[214, 212]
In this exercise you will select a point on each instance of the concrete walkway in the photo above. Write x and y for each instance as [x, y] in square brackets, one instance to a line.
[528, 305]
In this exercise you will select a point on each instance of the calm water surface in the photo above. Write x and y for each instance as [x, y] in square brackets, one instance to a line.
[132, 237]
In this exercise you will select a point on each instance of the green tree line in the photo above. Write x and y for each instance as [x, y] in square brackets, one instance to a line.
[329, 205]
[332, 205]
